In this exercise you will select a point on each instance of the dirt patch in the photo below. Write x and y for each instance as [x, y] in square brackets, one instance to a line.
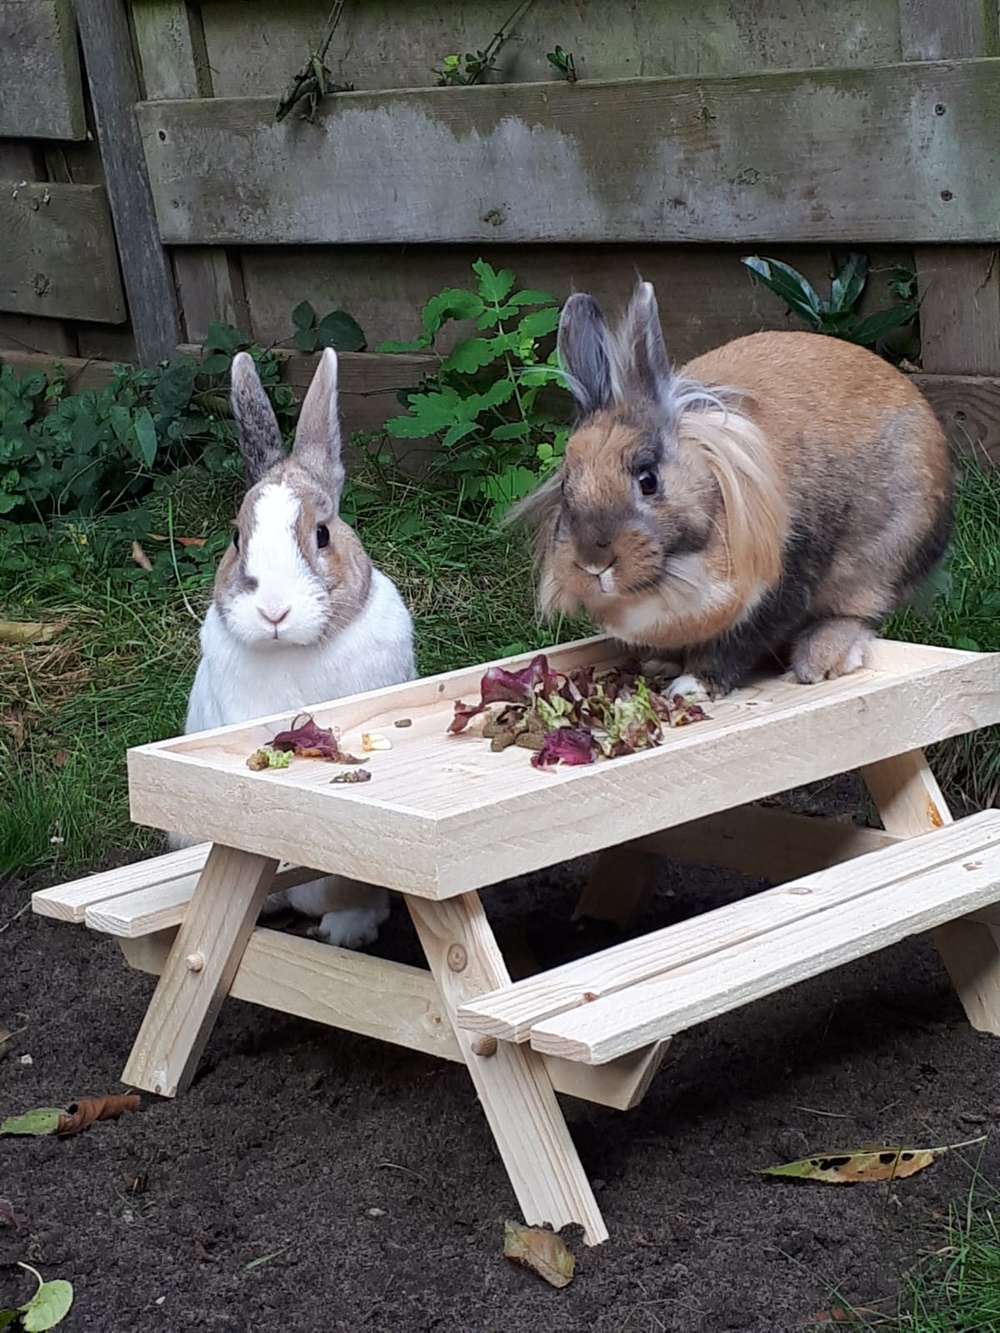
[368, 1172]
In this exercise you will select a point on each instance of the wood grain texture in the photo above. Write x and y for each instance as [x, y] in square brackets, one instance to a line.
[909, 800]
[443, 812]
[42, 93]
[968, 407]
[959, 288]
[748, 159]
[69, 902]
[515, 1011]
[959, 309]
[512, 1084]
[708, 987]
[59, 252]
[388, 1001]
[397, 43]
[186, 1002]
[114, 91]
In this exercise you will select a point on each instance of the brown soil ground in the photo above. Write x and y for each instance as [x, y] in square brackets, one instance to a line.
[369, 1175]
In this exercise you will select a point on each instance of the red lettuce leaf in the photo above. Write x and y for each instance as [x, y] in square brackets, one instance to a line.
[311, 741]
[566, 745]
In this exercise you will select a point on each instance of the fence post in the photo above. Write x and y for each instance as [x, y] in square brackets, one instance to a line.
[959, 285]
[114, 91]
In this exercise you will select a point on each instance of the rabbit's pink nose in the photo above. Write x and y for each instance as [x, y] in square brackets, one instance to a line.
[274, 615]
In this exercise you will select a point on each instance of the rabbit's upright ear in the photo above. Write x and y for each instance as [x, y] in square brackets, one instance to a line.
[317, 436]
[584, 352]
[259, 434]
[645, 366]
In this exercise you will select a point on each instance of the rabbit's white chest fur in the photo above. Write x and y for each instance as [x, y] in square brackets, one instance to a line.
[236, 683]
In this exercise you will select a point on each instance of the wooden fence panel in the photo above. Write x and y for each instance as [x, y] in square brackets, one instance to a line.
[258, 45]
[706, 296]
[907, 153]
[41, 93]
[59, 252]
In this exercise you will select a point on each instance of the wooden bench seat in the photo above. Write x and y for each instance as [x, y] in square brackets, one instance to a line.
[599, 1008]
[142, 898]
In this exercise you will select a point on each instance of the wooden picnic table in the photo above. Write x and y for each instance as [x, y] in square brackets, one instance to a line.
[443, 817]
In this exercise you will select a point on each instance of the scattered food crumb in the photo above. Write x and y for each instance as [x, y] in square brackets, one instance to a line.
[374, 740]
[266, 757]
[26, 1060]
[376, 1212]
[403, 722]
[352, 775]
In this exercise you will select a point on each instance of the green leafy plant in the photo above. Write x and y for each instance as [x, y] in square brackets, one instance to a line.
[498, 434]
[563, 62]
[837, 315]
[457, 71]
[98, 451]
[337, 329]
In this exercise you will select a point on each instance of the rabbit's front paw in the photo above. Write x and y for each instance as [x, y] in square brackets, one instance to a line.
[350, 928]
[690, 689]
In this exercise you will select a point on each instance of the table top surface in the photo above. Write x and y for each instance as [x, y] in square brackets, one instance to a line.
[443, 814]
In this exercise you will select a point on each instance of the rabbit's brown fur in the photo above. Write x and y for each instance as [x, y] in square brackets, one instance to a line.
[803, 490]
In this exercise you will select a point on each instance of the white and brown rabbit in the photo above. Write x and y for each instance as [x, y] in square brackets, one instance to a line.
[299, 614]
[772, 501]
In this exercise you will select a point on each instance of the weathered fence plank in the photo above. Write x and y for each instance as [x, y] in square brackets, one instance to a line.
[706, 296]
[959, 288]
[114, 89]
[828, 155]
[398, 43]
[41, 93]
[59, 254]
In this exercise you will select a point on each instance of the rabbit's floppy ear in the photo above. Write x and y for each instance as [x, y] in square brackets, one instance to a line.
[642, 353]
[584, 352]
[317, 436]
[259, 434]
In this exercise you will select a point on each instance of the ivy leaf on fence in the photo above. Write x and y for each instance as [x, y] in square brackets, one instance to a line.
[224, 338]
[848, 284]
[145, 436]
[341, 331]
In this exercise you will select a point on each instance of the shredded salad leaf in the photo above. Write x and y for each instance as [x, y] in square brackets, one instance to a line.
[576, 717]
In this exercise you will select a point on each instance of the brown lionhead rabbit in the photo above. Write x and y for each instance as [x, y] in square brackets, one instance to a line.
[772, 501]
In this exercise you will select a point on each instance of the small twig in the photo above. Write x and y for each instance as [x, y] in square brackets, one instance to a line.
[814, 1110]
[497, 40]
[395, 1166]
[7, 925]
[310, 84]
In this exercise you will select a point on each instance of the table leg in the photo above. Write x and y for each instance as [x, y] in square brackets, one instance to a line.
[199, 970]
[511, 1080]
[910, 802]
[620, 887]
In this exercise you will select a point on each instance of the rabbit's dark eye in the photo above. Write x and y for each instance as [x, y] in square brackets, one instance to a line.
[648, 481]
[236, 538]
[322, 536]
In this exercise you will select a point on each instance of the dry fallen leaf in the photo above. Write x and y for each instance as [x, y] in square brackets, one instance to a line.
[857, 1166]
[544, 1252]
[82, 1114]
[181, 541]
[30, 631]
[141, 558]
